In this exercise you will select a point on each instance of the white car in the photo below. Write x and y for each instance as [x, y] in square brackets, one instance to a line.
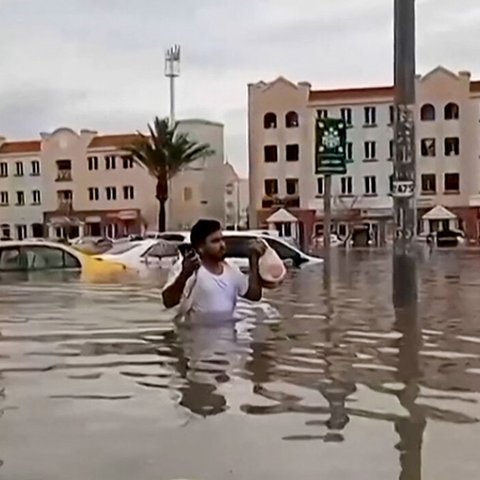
[143, 254]
[237, 243]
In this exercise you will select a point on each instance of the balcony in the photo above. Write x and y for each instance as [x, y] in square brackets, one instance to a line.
[65, 204]
[289, 201]
[64, 176]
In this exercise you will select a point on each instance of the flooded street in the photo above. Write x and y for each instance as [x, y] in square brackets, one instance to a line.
[319, 381]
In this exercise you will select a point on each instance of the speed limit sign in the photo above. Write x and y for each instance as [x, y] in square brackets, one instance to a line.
[403, 188]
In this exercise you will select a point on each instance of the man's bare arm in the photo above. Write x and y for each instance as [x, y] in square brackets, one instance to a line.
[173, 293]
[254, 292]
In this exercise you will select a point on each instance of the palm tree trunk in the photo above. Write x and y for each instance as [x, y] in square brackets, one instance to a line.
[162, 217]
[162, 197]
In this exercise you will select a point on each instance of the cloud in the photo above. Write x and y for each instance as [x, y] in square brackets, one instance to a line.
[99, 63]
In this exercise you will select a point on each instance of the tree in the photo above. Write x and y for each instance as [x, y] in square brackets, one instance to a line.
[164, 153]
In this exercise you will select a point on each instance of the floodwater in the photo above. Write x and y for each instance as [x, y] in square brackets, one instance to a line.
[324, 379]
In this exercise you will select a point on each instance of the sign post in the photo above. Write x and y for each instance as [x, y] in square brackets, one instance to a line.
[330, 159]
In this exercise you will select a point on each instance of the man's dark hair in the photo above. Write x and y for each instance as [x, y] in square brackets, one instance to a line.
[201, 230]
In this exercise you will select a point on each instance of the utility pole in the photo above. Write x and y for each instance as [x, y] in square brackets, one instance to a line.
[404, 171]
[404, 174]
[327, 211]
[172, 71]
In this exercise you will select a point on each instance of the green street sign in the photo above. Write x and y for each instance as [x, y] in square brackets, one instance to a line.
[330, 146]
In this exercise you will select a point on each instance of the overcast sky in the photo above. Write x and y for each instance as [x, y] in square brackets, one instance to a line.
[98, 64]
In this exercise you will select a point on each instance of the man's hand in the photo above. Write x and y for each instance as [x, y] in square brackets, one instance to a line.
[257, 248]
[190, 264]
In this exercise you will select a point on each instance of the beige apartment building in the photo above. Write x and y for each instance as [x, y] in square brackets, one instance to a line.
[281, 154]
[68, 184]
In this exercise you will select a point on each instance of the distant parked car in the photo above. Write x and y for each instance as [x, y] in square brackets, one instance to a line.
[91, 245]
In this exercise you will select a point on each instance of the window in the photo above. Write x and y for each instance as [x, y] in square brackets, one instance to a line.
[320, 186]
[42, 258]
[370, 116]
[36, 198]
[271, 187]
[3, 199]
[3, 169]
[346, 114]
[110, 162]
[452, 182]
[20, 198]
[64, 171]
[128, 192]
[390, 183]
[111, 193]
[391, 149]
[93, 194]
[322, 113]
[65, 199]
[269, 121]
[370, 150]
[429, 183]
[18, 169]
[37, 230]
[271, 153]
[349, 152]
[346, 185]
[452, 146]
[391, 114]
[35, 168]
[22, 232]
[427, 147]
[291, 120]
[127, 162]
[187, 194]
[292, 153]
[291, 185]
[370, 185]
[427, 113]
[4, 231]
[452, 111]
[92, 163]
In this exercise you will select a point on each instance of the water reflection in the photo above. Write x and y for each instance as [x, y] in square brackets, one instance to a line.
[329, 359]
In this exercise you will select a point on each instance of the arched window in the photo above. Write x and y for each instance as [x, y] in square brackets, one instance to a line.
[452, 111]
[291, 120]
[270, 120]
[427, 113]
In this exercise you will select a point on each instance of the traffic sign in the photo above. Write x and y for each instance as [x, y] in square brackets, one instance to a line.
[330, 146]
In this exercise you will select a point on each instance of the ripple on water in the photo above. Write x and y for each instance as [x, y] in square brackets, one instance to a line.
[316, 362]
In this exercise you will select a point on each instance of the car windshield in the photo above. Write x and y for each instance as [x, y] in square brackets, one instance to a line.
[120, 248]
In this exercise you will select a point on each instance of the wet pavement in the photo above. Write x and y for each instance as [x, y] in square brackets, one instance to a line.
[324, 379]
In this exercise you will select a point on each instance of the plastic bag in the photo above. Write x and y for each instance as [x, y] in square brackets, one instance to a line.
[271, 268]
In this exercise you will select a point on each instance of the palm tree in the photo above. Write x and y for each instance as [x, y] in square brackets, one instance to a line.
[164, 153]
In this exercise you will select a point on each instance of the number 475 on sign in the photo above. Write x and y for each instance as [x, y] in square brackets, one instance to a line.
[403, 188]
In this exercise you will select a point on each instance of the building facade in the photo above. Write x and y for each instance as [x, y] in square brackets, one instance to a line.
[281, 153]
[69, 184]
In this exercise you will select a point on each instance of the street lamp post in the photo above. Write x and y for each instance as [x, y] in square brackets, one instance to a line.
[172, 71]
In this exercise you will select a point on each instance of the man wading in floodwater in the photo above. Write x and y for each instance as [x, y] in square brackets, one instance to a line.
[205, 284]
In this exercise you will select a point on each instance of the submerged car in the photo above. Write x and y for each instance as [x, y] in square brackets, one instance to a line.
[143, 254]
[237, 247]
[27, 255]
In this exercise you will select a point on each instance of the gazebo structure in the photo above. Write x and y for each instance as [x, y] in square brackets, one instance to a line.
[438, 219]
[285, 223]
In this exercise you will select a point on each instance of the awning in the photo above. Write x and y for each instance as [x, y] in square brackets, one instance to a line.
[439, 213]
[93, 219]
[64, 221]
[282, 216]
[128, 215]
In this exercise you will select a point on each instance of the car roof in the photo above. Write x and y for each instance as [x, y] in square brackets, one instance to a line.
[35, 243]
